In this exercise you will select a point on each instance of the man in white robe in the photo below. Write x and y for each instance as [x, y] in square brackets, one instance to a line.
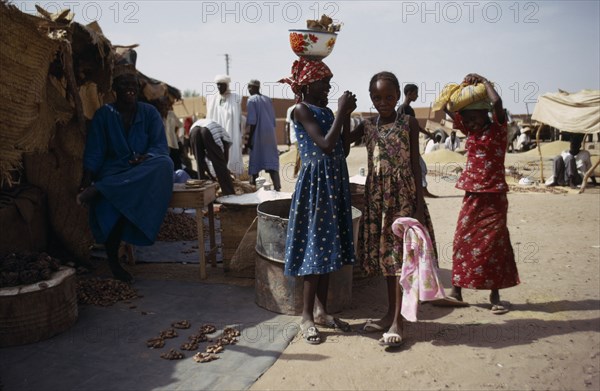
[225, 108]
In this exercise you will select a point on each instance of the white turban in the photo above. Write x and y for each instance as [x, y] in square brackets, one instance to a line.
[222, 79]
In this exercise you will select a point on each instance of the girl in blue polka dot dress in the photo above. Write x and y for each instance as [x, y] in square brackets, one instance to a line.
[319, 237]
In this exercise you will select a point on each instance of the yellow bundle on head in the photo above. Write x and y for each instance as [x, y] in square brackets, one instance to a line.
[456, 97]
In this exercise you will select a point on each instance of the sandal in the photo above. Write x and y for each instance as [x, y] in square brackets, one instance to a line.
[391, 340]
[498, 309]
[336, 324]
[372, 327]
[312, 335]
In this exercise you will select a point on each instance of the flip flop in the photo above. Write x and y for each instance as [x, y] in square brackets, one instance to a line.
[386, 340]
[449, 301]
[498, 309]
[372, 327]
[312, 336]
[337, 324]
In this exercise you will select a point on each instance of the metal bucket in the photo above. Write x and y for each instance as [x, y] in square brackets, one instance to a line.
[272, 228]
[283, 294]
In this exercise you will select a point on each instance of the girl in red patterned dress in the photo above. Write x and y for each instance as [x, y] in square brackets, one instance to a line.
[483, 257]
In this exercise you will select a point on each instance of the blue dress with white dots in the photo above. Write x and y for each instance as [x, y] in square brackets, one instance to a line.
[319, 233]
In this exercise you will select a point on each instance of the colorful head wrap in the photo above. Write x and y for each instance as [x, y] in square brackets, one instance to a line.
[305, 72]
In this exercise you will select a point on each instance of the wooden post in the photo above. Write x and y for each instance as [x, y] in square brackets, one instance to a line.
[539, 147]
[200, 224]
[587, 175]
[211, 233]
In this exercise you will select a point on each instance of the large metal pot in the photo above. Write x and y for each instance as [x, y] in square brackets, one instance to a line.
[283, 294]
[272, 228]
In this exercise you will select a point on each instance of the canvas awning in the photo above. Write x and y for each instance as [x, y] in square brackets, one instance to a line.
[570, 112]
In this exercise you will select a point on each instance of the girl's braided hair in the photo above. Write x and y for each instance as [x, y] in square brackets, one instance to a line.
[385, 75]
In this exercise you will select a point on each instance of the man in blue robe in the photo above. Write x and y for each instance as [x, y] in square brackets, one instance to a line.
[128, 175]
[261, 137]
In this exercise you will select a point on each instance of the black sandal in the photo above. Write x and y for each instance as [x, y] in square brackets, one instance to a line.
[338, 324]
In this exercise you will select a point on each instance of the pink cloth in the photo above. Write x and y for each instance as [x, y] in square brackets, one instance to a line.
[419, 277]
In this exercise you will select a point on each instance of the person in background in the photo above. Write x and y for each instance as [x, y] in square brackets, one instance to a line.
[289, 125]
[171, 124]
[434, 144]
[411, 93]
[127, 173]
[209, 140]
[452, 143]
[225, 108]
[184, 147]
[483, 256]
[261, 139]
[319, 234]
[524, 142]
[569, 168]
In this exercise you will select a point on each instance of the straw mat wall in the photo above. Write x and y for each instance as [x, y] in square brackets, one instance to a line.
[25, 116]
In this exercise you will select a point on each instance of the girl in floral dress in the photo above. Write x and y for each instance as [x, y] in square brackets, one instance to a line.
[483, 257]
[393, 189]
[319, 237]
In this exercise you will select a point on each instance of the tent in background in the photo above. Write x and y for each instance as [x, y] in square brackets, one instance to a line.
[570, 112]
[575, 113]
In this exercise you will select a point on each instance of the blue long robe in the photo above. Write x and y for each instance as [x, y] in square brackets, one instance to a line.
[264, 154]
[141, 193]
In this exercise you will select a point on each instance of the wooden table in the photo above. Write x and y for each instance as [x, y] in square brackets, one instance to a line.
[198, 198]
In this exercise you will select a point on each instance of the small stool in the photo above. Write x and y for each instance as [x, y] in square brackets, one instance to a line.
[198, 198]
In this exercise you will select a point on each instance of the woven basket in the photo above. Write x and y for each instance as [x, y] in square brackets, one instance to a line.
[32, 313]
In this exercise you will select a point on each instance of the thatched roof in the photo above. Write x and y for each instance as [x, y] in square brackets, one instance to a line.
[53, 70]
[55, 74]
[43, 63]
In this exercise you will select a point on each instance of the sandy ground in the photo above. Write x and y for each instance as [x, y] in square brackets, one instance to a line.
[549, 340]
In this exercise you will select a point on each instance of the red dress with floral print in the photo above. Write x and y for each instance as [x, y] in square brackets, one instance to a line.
[483, 257]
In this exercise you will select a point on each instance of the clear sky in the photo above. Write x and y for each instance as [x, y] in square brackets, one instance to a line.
[526, 47]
